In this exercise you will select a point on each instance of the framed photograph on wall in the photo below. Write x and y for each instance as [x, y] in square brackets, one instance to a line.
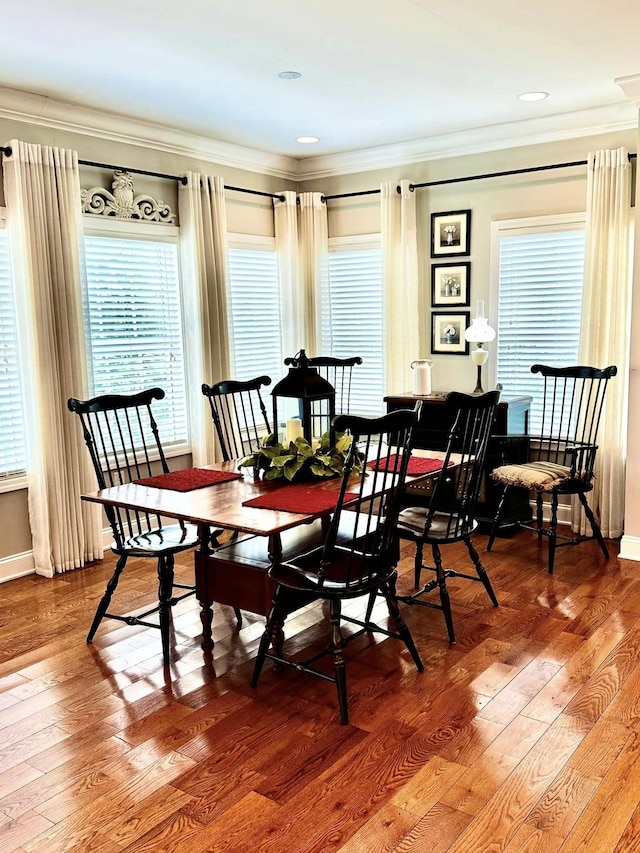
[450, 284]
[450, 233]
[447, 332]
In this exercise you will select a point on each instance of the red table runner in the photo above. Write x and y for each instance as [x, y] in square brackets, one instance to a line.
[300, 497]
[417, 464]
[188, 479]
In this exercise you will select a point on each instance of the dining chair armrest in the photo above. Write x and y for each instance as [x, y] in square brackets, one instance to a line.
[582, 456]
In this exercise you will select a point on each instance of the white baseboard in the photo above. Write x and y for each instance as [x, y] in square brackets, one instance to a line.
[21, 565]
[564, 512]
[630, 548]
[16, 566]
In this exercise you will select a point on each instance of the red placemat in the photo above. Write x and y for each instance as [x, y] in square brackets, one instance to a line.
[417, 464]
[188, 479]
[300, 497]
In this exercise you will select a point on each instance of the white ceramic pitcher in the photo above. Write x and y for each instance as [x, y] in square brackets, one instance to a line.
[422, 377]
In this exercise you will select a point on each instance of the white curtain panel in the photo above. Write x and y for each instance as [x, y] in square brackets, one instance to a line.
[313, 265]
[606, 312]
[42, 192]
[203, 225]
[294, 333]
[400, 282]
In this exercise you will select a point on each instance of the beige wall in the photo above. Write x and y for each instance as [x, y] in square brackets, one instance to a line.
[491, 199]
[245, 214]
[561, 191]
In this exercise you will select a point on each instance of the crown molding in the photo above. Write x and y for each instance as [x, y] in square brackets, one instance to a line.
[617, 117]
[40, 110]
[630, 86]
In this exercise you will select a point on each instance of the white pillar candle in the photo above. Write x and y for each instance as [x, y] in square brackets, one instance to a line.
[294, 429]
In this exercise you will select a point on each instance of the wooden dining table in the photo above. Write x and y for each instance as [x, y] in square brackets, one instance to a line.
[235, 572]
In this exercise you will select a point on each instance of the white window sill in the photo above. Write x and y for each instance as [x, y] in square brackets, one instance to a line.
[13, 483]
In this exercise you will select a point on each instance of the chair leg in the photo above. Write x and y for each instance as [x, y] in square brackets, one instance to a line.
[480, 569]
[389, 592]
[417, 566]
[497, 517]
[106, 598]
[238, 618]
[165, 591]
[273, 619]
[595, 527]
[553, 524]
[370, 605]
[539, 515]
[338, 659]
[444, 592]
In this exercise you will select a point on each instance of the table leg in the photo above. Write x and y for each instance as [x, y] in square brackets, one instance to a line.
[277, 633]
[275, 548]
[202, 591]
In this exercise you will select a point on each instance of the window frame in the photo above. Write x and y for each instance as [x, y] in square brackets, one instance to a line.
[253, 243]
[17, 481]
[547, 223]
[154, 232]
[358, 243]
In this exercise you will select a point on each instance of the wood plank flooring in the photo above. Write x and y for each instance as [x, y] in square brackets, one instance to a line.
[522, 737]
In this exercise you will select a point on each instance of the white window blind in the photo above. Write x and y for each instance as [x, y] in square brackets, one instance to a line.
[539, 305]
[134, 324]
[254, 316]
[12, 441]
[353, 321]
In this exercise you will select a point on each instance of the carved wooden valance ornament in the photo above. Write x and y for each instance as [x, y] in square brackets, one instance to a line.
[122, 204]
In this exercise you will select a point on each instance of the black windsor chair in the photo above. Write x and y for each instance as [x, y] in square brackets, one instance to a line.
[239, 415]
[241, 422]
[122, 436]
[560, 458]
[449, 517]
[359, 554]
[339, 372]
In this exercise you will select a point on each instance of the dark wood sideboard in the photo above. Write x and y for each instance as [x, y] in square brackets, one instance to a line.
[512, 418]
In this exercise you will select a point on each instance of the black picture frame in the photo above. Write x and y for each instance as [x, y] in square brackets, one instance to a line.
[447, 332]
[451, 284]
[451, 234]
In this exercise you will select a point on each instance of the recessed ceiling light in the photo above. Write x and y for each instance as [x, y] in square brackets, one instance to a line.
[533, 96]
[289, 75]
[307, 140]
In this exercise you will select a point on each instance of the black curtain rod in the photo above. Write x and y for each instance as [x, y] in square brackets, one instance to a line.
[8, 152]
[413, 187]
[181, 179]
[256, 192]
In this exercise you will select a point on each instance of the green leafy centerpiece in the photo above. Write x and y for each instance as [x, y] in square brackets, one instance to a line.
[298, 460]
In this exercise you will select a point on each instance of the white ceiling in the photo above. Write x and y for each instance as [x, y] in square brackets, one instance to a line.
[374, 72]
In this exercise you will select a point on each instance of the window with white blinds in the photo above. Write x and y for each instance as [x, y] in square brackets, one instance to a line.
[133, 317]
[12, 439]
[255, 330]
[353, 317]
[540, 270]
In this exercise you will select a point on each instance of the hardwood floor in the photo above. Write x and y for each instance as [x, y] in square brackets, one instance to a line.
[524, 736]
